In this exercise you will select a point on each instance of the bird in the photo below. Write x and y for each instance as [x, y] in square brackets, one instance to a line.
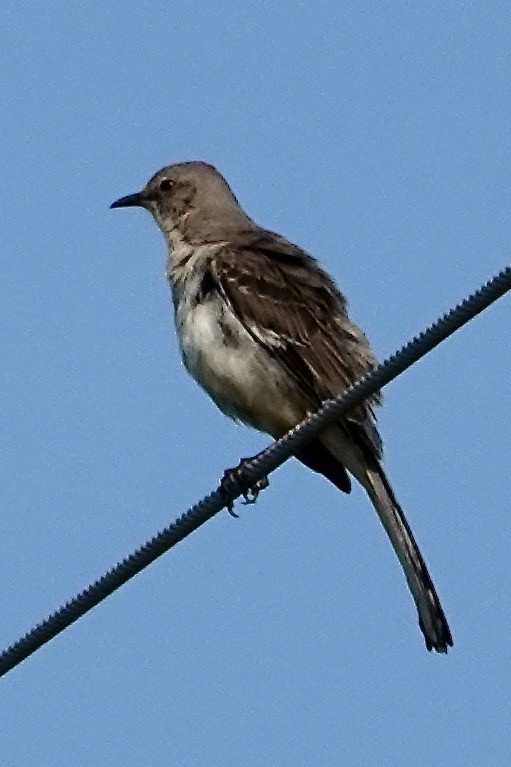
[265, 331]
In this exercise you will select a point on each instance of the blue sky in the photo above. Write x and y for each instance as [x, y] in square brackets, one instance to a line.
[378, 137]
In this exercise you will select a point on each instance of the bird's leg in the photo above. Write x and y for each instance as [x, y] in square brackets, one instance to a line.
[235, 477]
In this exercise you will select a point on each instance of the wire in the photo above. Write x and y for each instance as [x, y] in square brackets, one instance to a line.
[253, 470]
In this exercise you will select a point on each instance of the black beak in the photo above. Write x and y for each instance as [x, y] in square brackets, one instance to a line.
[130, 200]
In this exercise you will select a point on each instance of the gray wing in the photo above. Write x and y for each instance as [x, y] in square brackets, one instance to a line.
[292, 307]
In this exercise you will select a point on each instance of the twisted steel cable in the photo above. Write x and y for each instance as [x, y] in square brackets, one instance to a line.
[254, 470]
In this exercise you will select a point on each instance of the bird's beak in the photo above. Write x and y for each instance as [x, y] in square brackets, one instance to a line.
[131, 200]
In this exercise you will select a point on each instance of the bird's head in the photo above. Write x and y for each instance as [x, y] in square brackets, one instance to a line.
[192, 199]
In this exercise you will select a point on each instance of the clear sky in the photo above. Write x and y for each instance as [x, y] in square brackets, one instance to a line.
[376, 135]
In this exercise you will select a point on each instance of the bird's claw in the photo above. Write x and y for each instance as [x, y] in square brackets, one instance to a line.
[251, 494]
[234, 477]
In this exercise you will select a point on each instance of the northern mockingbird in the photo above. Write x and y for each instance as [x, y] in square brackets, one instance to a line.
[265, 331]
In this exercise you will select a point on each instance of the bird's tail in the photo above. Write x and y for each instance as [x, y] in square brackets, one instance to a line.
[432, 620]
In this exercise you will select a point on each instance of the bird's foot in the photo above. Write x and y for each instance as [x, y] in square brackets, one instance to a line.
[234, 478]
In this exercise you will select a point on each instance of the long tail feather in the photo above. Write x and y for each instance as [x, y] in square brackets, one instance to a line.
[432, 620]
[367, 469]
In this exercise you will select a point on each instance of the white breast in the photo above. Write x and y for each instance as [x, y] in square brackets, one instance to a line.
[236, 371]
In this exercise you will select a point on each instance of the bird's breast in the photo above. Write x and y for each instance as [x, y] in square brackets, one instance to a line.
[237, 372]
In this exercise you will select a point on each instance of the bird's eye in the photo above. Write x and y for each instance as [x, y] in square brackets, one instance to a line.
[166, 185]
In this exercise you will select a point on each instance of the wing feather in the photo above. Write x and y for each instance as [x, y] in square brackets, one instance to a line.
[292, 307]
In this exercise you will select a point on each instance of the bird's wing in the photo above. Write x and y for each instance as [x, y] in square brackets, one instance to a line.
[292, 308]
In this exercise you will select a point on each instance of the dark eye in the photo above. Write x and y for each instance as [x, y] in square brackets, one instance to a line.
[166, 185]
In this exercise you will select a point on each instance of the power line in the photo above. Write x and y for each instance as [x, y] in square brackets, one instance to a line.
[255, 469]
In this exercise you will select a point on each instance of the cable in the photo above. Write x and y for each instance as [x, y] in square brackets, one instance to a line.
[253, 470]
